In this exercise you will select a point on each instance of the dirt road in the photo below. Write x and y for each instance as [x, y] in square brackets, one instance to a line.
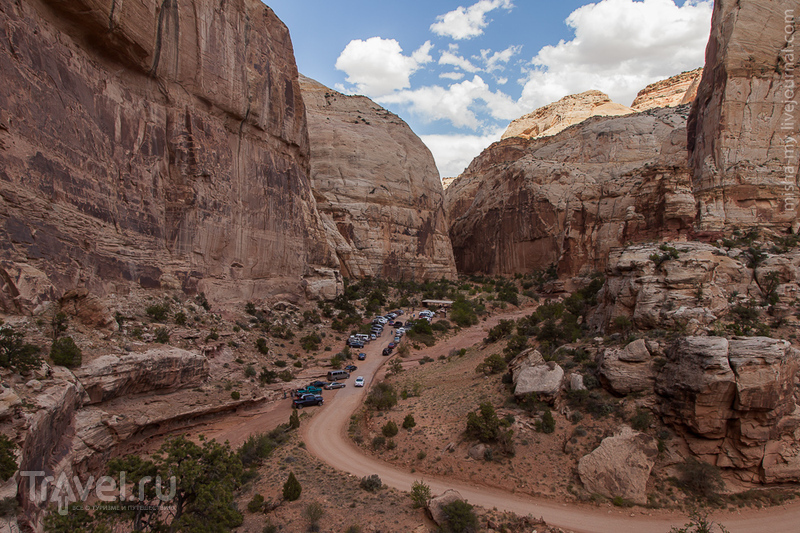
[325, 436]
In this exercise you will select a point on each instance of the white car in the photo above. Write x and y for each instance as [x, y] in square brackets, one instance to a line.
[359, 381]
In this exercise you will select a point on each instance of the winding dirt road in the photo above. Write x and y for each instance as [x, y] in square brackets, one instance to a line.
[325, 436]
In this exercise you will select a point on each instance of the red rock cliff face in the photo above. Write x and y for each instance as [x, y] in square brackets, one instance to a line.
[743, 128]
[377, 189]
[157, 143]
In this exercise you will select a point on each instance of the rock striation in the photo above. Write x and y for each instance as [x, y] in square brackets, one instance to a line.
[734, 401]
[744, 124]
[377, 189]
[568, 111]
[674, 91]
[523, 205]
[158, 145]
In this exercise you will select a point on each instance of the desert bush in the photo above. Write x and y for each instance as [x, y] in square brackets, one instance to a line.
[249, 371]
[504, 328]
[158, 312]
[460, 518]
[485, 426]
[294, 419]
[235, 395]
[494, 364]
[548, 423]
[8, 462]
[162, 336]
[15, 353]
[389, 429]
[313, 512]
[65, 352]
[310, 342]
[409, 422]
[700, 479]
[382, 397]
[641, 420]
[371, 483]
[256, 504]
[420, 494]
[292, 488]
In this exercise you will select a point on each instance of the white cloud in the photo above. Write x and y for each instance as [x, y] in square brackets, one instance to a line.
[377, 66]
[465, 23]
[452, 75]
[498, 60]
[620, 46]
[456, 103]
[449, 58]
[453, 153]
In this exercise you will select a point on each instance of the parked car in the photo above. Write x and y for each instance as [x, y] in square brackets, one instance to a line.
[335, 385]
[362, 356]
[387, 351]
[373, 337]
[392, 345]
[397, 340]
[306, 400]
[308, 390]
[398, 324]
[319, 384]
[359, 381]
[351, 368]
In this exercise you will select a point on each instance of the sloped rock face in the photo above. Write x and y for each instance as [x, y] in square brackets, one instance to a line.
[620, 466]
[377, 188]
[674, 91]
[111, 376]
[629, 369]
[734, 401]
[568, 111]
[744, 124]
[523, 205]
[141, 141]
[656, 290]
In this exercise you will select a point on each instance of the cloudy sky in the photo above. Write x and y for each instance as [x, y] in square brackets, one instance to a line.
[458, 71]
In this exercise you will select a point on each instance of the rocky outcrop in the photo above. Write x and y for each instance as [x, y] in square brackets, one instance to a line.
[674, 91]
[523, 205]
[377, 189]
[682, 284]
[153, 144]
[568, 111]
[734, 401]
[629, 369]
[165, 369]
[743, 127]
[620, 466]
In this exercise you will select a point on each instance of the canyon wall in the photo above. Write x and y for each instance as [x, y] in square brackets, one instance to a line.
[743, 128]
[676, 90]
[523, 205]
[377, 189]
[160, 144]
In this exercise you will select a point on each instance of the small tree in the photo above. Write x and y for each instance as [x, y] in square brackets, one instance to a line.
[294, 420]
[389, 429]
[313, 512]
[8, 462]
[484, 426]
[548, 424]
[371, 483]
[292, 488]
[460, 518]
[698, 523]
[409, 422]
[65, 352]
[420, 494]
[15, 353]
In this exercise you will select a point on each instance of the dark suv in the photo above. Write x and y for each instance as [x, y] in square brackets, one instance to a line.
[307, 399]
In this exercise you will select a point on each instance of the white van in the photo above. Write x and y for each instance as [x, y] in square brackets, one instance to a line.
[336, 375]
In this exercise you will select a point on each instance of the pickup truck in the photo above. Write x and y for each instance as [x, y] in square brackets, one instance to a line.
[307, 399]
[308, 390]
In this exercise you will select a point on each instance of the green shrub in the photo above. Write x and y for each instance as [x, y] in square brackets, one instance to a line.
[249, 371]
[65, 352]
[494, 364]
[485, 426]
[256, 504]
[382, 397]
[460, 518]
[389, 429]
[158, 312]
[8, 461]
[180, 318]
[504, 328]
[420, 494]
[267, 376]
[700, 479]
[409, 422]
[548, 423]
[162, 336]
[378, 442]
[371, 483]
[15, 353]
[292, 488]
[294, 420]
[235, 395]
[641, 420]
[310, 342]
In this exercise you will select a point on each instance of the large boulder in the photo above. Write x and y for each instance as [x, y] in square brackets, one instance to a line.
[628, 369]
[112, 376]
[436, 504]
[377, 188]
[532, 375]
[620, 466]
[733, 400]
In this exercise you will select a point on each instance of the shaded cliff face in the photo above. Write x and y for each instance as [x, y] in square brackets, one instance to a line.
[155, 143]
[377, 189]
[743, 128]
[523, 205]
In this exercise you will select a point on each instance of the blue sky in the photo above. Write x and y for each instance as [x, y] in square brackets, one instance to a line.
[459, 71]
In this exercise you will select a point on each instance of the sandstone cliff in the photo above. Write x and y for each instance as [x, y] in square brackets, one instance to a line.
[674, 91]
[568, 111]
[377, 189]
[156, 144]
[524, 204]
[743, 127]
